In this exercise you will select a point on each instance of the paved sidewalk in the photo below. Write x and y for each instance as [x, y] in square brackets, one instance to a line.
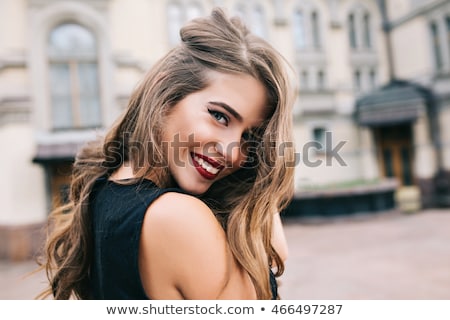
[386, 256]
[389, 256]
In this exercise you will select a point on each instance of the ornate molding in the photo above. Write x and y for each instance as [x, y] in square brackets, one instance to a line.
[98, 4]
[426, 9]
[335, 21]
[14, 109]
[280, 18]
[13, 61]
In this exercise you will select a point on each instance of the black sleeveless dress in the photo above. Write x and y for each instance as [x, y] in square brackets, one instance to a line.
[117, 215]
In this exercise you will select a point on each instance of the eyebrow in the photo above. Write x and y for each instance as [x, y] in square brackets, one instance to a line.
[233, 112]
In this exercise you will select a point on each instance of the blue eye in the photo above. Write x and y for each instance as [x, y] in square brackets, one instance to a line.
[219, 116]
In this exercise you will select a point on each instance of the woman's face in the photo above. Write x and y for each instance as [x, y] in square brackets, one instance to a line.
[204, 132]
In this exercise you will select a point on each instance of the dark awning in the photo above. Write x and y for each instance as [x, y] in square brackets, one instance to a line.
[56, 152]
[397, 102]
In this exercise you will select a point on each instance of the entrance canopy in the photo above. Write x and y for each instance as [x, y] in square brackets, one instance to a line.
[397, 102]
[56, 152]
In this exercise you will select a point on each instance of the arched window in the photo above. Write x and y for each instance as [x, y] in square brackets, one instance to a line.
[437, 45]
[315, 29]
[306, 27]
[447, 23]
[367, 31]
[360, 28]
[73, 71]
[352, 30]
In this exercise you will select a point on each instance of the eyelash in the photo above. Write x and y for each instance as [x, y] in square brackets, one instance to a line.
[247, 136]
[218, 115]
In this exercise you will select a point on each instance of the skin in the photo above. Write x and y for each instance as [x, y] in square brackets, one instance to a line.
[203, 267]
[213, 122]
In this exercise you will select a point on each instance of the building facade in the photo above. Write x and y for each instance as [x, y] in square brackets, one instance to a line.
[67, 69]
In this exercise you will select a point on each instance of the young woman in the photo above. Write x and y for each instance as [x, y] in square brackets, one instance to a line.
[180, 199]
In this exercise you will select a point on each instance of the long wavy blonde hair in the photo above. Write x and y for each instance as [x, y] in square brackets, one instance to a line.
[244, 202]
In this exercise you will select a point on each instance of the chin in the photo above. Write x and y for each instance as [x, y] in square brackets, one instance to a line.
[198, 191]
[195, 189]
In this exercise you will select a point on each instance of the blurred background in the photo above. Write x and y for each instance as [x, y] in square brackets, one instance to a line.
[371, 127]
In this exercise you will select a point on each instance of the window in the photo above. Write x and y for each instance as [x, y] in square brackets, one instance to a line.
[447, 22]
[367, 34]
[362, 48]
[306, 28]
[315, 30]
[73, 71]
[436, 45]
[364, 78]
[320, 80]
[319, 136]
[372, 79]
[352, 30]
[299, 30]
[304, 80]
[359, 29]
[177, 15]
[253, 14]
[357, 80]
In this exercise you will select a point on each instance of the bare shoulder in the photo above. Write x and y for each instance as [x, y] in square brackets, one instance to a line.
[180, 211]
[181, 239]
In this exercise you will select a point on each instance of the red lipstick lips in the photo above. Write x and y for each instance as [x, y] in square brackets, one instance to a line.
[206, 166]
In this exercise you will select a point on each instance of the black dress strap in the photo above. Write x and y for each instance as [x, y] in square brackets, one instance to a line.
[273, 285]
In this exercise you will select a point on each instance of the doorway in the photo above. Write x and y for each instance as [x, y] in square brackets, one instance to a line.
[395, 152]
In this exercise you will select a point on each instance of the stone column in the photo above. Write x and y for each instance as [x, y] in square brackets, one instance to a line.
[425, 161]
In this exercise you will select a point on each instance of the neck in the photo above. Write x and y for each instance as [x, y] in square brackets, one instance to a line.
[125, 171]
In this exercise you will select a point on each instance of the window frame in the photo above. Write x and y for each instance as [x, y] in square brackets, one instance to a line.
[172, 28]
[360, 30]
[75, 93]
[309, 25]
[41, 21]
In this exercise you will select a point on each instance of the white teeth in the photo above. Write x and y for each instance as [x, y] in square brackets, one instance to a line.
[205, 165]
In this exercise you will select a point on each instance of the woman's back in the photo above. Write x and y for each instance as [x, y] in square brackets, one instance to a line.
[117, 214]
[160, 244]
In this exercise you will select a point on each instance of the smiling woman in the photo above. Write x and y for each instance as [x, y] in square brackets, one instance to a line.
[214, 120]
[189, 179]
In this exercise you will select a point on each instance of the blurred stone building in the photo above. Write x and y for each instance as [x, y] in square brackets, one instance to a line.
[373, 94]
